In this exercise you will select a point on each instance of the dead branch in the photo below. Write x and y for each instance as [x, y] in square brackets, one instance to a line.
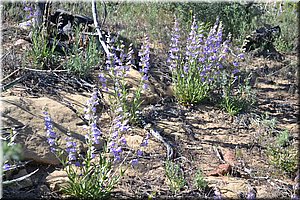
[44, 71]
[95, 16]
[10, 75]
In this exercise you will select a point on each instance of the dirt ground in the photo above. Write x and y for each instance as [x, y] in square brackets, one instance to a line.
[195, 133]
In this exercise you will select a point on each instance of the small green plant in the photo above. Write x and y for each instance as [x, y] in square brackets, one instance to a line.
[83, 58]
[12, 159]
[199, 181]
[11, 150]
[283, 139]
[285, 159]
[42, 54]
[237, 101]
[175, 176]
[268, 123]
[282, 154]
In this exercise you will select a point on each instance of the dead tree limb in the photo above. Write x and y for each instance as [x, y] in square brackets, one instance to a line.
[98, 28]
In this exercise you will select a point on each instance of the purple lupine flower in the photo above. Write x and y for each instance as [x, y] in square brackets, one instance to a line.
[186, 68]
[217, 194]
[235, 63]
[235, 71]
[96, 132]
[241, 56]
[145, 141]
[145, 86]
[71, 149]
[192, 42]
[174, 47]
[51, 135]
[26, 8]
[123, 140]
[103, 81]
[295, 197]
[145, 77]
[134, 162]
[51, 142]
[90, 110]
[111, 144]
[139, 153]
[6, 167]
[116, 153]
[251, 193]
[145, 56]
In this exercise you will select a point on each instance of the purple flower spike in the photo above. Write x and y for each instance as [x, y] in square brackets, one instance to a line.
[235, 71]
[139, 153]
[251, 194]
[6, 167]
[174, 47]
[51, 135]
[134, 162]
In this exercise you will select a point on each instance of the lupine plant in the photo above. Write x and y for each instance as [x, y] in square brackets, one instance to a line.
[90, 174]
[93, 174]
[206, 66]
[117, 66]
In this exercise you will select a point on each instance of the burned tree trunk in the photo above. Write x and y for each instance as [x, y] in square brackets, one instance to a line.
[40, 9]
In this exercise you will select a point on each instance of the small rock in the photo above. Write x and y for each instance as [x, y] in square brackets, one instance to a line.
[26, 25]
[57, 179]
[22, 44]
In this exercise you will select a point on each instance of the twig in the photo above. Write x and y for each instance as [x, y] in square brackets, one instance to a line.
[2, 58]
[95, 16]
[19, 179]
[9, 85]
[10, 75]
[220, 156]
[46, 71]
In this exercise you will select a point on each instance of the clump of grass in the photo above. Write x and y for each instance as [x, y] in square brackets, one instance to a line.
[284, 139]
[175, 176]
[12, 158]
[236, 100]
